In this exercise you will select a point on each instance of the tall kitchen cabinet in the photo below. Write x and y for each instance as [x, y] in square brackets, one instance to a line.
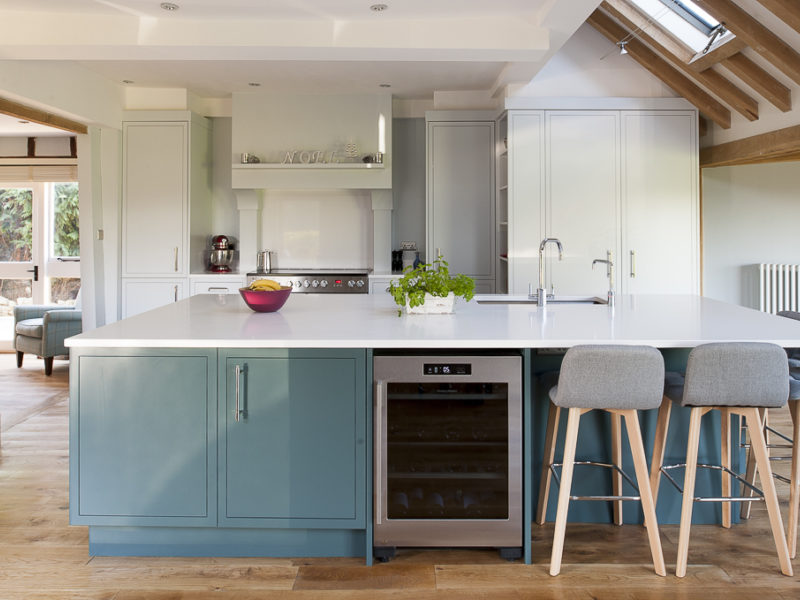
[624, 181]
[460, 198]
[166, 206]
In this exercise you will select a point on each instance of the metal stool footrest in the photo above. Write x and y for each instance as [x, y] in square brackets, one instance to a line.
[597, 464]
[760, 495]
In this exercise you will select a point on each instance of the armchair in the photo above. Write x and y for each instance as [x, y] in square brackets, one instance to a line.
[41, 330]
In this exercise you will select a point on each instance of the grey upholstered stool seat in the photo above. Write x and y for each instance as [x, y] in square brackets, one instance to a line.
[620, 380]
[784, 442]
[734, 378]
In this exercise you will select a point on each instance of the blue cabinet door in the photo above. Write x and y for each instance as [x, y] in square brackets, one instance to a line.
[142, 431]
[293, 445]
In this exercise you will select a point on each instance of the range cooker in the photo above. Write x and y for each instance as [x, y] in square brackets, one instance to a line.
[317, 281]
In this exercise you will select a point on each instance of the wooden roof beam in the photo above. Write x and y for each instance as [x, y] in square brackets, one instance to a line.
[761, 81]
[26, 113]
[765, 147]
[701, 62]
[755, 35]
[677, 54]
[659, 67]
[787, 11]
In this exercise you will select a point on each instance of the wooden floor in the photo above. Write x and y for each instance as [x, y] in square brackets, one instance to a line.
[41, 556]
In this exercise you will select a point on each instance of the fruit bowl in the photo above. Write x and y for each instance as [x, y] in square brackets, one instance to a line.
[265, 300]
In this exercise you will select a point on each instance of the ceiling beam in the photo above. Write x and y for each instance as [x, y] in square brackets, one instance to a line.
[701, 62]
[659, 67]
[761, 81]
[755, 35]
[26, 113]
[677, 54]
[765, 147]
[787, 11]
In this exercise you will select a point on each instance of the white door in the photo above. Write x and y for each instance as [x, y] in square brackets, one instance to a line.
[582, 190]
[39, 248]
[461, 196]
[154, 199]
[660, 205]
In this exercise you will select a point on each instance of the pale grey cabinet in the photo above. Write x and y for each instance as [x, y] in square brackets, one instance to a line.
[460, 201]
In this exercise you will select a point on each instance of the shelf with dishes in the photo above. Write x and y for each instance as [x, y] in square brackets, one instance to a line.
[263, 166]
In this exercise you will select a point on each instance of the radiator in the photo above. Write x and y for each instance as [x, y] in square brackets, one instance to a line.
[777, 287]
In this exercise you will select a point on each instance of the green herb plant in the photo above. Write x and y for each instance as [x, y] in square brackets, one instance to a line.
[432, 278]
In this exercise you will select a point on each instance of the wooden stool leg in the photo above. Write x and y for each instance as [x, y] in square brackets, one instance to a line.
[570, 442]
[616, 458]
[725, 462]
[758, 446]
[750, 473]
[643, 481]
[659, 446]
[688, 489]
[794, 486]
[553, 416]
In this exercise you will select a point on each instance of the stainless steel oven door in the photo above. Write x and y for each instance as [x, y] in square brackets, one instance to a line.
[448, 451]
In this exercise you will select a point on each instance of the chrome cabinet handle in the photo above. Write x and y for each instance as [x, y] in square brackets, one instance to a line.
[633, 263]
[219, 289]
[176, 293]
[237, 372]
[380, 438]
[176, 259]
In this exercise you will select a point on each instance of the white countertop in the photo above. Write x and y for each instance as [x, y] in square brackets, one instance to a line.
[371, 321]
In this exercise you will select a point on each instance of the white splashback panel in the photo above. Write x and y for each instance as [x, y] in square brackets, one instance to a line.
[322, 229]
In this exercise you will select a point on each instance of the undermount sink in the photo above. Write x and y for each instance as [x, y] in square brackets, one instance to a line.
[523, 299]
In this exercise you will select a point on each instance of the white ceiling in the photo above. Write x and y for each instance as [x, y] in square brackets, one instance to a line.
[213, 48]
[14, 127]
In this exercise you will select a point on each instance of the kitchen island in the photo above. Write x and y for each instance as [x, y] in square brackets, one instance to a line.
[203, 428]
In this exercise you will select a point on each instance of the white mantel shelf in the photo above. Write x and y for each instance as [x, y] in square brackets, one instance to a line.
[260, 166]
[371, 321]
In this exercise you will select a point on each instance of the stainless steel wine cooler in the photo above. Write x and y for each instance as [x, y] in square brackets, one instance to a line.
[448, 452]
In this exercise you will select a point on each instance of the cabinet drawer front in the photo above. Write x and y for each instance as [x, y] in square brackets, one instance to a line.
[296, 455]
[216, 287]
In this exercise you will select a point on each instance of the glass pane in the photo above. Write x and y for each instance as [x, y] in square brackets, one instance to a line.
[16, 224]
[447, 450]
[12, 293]
[66, 241]
[64, 290]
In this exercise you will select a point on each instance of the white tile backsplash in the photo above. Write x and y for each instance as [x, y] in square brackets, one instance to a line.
[318, 228]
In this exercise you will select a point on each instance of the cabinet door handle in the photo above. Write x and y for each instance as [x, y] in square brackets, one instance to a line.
[218, 289]
[237, 372]
[176, 293]
[176, 259]
[380, 438]
[633, 263]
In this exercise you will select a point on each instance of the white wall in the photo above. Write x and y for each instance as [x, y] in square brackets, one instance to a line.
[590, 65]
[750, 215]
[408, 183]
[224, 216]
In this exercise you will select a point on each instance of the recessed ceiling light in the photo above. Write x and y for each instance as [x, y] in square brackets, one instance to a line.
[385, 85]
[127, 81]
[378, 7]
[169, 6]
[254, 84]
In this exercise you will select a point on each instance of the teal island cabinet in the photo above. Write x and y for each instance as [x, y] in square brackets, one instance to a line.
[220, 452]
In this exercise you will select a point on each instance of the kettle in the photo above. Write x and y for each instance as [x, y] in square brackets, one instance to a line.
[264, 262]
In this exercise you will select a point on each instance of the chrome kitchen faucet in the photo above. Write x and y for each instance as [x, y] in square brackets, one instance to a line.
[609, 273]
[541, 293]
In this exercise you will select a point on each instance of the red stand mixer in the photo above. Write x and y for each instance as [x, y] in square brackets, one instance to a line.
[221, 255]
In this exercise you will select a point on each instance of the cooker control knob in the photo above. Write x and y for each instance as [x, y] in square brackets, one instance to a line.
[360, 283]
[315, 283]
[297, 283]
[306, 283]
[323, 283]
[351, 283]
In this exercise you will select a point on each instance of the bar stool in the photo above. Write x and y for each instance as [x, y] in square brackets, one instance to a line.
[787, 442]
[619, 380]
[734, 378]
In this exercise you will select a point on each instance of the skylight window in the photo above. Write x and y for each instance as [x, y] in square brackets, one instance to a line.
[683, 19]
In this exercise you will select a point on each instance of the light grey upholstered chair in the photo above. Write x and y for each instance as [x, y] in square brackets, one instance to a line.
[784, 442]
[620, 380]
[735, 378]
[42, 329]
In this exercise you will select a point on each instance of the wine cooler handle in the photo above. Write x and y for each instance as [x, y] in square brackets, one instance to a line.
[379, 438]
[237, 372]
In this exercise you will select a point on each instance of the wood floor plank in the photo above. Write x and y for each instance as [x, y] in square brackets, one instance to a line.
[379, 577]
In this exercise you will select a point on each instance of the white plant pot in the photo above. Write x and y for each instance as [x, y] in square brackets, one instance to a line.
[433, 305]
